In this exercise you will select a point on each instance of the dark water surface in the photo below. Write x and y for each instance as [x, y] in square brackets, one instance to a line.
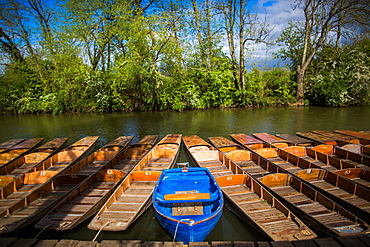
[207, 123]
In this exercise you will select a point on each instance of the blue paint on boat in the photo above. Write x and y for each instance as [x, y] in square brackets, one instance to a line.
[188, 202]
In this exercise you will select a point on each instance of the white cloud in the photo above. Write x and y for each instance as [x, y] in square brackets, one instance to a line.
[278, 15]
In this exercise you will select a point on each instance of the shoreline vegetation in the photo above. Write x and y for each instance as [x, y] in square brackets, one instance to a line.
[143, 55]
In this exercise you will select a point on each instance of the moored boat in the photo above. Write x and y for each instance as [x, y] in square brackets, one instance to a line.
[358, 134]
[273, 140]
[8, 144]
[314, 207]
[187, 202]
[296, 140]
[18, 150]
[133, 195]
[248, 141]
[246, 196]
[27, 162]
[318, 138]
[26, 203]
[90, 195]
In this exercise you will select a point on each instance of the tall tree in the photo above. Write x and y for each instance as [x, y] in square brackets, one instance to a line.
[321, 20]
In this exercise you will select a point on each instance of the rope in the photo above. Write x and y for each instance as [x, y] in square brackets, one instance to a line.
[174, 236]
[97, 234]
[43, 229]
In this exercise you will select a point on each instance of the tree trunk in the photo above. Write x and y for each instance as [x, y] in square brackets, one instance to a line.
[241, 45]
[300, 85]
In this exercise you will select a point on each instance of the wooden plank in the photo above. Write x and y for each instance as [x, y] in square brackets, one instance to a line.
[67, 243]
[152, 244]
[46, 243]
[130, 243]
[110, 243]
[243, 244]
[263, 244]
[7, 241]
[351, 242]
[304, 243]
[282, 244]
[24, 242]
[87, 244]
[222, 244]
[327, 242]
[365, 239]
[198, 244]
[173, 244]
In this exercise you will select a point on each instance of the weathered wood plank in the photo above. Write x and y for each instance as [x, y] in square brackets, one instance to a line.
[152, 244]
[198, 244]
[67, 243]
[86, 244]
[110, 243]
[46, 243]
[7, 241]
[222, 244]
[243, 244]
[327, 242]
[282, 244]
[365, 239]
[131, 243]
[263, 244]
[24, 242]
[351, 242]
[304, 243]
[173, 244]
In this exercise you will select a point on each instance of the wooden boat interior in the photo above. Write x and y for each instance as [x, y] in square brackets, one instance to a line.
[29, 203]
[248, 141]
[273, 140]
[81, 200]
[339, 187]
[306, 200]
[263, 209]
[122, 207]
[27, 162]
[132, 196]
[10, 143]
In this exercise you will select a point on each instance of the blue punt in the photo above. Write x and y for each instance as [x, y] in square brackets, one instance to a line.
[188, 203]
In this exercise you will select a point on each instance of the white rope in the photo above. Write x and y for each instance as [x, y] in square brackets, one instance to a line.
[174, 236]
[97, 234]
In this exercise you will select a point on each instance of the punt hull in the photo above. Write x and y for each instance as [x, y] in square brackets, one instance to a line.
[247, 197]
[133, 195]
[90, 196]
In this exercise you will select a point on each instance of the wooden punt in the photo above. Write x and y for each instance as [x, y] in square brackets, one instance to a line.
[248, 141]
[68, 156]
[8, 144]
[42, 190]
[248, 161]
[273, 140]
[296, 140]
[27, 162]
[89, 196]
[358, 134]
[246, 196]
[352, 196]
[18, 150]
[343, 138]
[314, 207]
[133, 195]
[317, 138]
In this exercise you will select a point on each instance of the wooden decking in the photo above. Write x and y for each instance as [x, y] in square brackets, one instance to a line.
[359, 241]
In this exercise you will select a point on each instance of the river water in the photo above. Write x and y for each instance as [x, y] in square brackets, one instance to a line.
[205, 123]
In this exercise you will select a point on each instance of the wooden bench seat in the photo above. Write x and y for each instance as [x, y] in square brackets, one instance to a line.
[191, 196]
